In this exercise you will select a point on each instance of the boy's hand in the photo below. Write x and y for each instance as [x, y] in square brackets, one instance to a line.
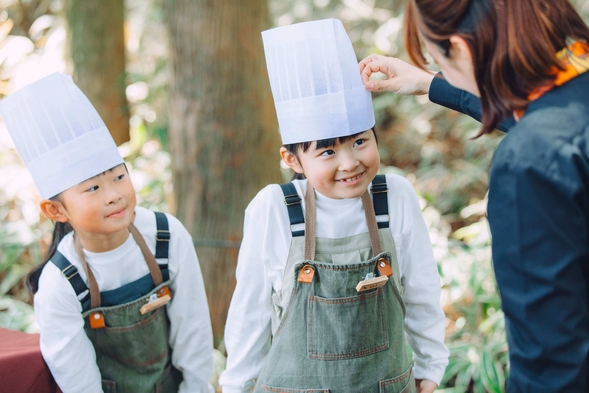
[401, 78]
[425, 386]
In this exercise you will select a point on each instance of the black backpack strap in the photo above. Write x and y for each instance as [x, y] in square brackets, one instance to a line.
[71, 273]
[162, 237]
[379, 191]
[292, 200]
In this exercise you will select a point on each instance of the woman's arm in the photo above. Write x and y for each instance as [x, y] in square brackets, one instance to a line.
[444, 94]
[405, 79]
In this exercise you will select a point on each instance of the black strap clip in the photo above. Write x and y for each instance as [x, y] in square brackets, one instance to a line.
[162, 236]
[69, 271]
[293, 199]
[380, 199]
[379, 188]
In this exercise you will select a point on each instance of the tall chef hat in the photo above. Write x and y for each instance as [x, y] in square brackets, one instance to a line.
[58, 133]
[315, 81]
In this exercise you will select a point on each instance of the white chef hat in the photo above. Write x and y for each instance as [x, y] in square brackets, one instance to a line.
[58, 133]
[315, 81]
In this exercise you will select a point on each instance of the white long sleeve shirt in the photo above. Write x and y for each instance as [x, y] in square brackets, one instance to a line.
[64, 344]
[263, 256]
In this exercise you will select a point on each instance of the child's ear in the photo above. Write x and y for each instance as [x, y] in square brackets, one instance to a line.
[291, 160]
[54, 210]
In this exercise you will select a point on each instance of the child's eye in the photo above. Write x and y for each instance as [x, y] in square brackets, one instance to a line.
[359, 142]
[92, 189]
[327, 153]
[120, 177]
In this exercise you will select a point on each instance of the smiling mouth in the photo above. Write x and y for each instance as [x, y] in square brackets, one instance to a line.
[351, 179]
[118, 213]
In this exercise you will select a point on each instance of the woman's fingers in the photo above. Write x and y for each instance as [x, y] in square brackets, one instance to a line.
[382, 85]
[369, 59]
[401, 77]
[371, 64]
[374, 66]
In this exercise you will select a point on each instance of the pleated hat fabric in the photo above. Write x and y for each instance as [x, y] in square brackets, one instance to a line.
[315, 81]
[58, 133]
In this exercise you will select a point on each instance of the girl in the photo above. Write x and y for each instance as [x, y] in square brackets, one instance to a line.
[526, 61]
[327, 283]
[119, 299]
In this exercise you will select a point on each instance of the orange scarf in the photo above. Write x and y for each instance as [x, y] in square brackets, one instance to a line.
[575, 61]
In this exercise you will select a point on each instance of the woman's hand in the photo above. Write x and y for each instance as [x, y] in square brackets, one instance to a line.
[425, 386]
[401, 78]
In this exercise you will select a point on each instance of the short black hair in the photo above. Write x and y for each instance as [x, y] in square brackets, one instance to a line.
[323, 143]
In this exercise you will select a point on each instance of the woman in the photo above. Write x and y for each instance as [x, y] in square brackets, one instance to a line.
[520, 65]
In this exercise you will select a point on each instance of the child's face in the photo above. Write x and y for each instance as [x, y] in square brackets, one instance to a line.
[102, 205]
[342, 171]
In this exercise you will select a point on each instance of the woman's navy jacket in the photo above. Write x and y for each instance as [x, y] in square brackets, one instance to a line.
[539, 217]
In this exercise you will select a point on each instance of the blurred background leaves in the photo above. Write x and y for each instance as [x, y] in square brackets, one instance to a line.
[429, 145]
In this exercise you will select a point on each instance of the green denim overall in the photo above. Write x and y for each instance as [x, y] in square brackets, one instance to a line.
[327, 336]
[132, 350]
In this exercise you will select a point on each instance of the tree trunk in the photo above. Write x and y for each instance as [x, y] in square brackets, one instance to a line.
[96, 43]
[222, 131]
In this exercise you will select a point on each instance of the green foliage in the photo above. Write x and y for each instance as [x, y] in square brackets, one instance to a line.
[478, 365]
[17, 315]
[428, 144]
[20, 250]
[476, 329]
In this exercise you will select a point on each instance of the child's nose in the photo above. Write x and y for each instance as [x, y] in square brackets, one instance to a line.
[348, 161]
[113, 196]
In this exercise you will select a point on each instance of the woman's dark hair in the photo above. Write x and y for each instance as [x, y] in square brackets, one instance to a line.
[61, 229]
[513, 44]
[321, 144]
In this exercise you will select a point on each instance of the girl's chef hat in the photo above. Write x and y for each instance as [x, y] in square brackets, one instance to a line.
[58, 133]
[315, 81]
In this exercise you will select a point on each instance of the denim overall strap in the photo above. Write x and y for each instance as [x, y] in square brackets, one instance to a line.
[132, 350]
[332, 338]
[296, 218]
[152, 265]
[125, 293]
[292, 200]
[379, 196]
[73, 276]
[162, 237]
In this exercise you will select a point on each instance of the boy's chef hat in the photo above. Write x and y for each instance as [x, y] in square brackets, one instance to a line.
[58, 134]
[315, 81]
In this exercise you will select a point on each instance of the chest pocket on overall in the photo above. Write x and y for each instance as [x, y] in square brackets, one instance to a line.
[346, 327]
[342, 323]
